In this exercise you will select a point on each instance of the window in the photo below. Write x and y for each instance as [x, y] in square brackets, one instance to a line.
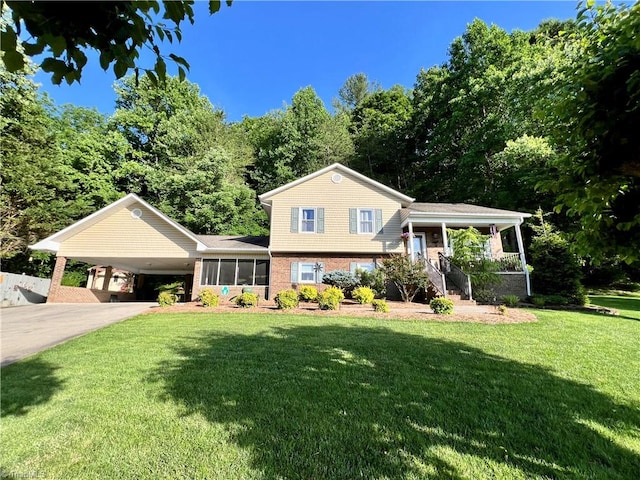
[231, 271]
[307, 273]
[365, 224]
[308, 220]
[363, 266]
[365, 221]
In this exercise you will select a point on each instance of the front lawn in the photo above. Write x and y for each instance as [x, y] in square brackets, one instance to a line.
[241, 396]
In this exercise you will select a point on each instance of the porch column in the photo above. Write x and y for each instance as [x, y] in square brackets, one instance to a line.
[523, 261]
[195, 284]
[410, 242]
[107, 277]
[445, 239]
[56, 278]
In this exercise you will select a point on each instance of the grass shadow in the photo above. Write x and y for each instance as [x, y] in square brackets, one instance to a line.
[346, 402]
[26, 384]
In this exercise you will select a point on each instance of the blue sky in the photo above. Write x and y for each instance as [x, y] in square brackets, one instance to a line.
[252, 57]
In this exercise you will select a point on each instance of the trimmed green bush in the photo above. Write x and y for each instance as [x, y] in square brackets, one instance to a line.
[341, 279]
[380, 306]
[511, 300]
[307, 293]
[286, 299]
[363, 295]
[502, 309]
[558, 300]
[246, 300]
[441, 306]
[330, 298]
[166, 299]
[209, 298]
[539, 301]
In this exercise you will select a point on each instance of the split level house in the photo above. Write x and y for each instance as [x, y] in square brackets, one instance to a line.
[333, 219]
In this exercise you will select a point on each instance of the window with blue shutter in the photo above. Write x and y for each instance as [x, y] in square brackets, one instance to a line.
[294, 219]
[353, 220]
[294, 272]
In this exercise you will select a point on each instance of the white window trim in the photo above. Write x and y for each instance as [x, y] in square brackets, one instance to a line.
[315, 219]
[373, 221]
[313, 268]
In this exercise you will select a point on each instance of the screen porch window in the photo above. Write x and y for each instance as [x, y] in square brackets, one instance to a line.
[232, 271]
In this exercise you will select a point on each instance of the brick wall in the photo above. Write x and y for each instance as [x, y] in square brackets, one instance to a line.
[63, 294]
[512, 284]
[281, 267]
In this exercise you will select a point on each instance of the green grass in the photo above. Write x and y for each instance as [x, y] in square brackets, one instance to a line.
[242, 396]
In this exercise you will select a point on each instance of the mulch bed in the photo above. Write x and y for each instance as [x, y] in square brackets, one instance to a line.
[398, 311]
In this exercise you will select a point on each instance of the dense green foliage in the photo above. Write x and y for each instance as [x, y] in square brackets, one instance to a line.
[286, 299]
[307, 293]
[342, 279]
[166, 299]
[330, 298]
[118, 31]
[510, 120]
[209, 298]
[246, 300]
[380, 305]
[363, 295]
[556, 270]
[410, 278]
[441, 306]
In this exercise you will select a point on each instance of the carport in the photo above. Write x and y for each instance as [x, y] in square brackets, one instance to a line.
[130, 235]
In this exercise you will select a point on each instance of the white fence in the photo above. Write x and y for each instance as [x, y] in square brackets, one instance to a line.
[22, 289]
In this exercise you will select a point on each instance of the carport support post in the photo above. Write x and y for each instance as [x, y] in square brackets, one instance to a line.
[107, 277]
[195, 283]
[56, 278]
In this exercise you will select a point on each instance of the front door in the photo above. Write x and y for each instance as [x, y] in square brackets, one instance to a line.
[418, 250]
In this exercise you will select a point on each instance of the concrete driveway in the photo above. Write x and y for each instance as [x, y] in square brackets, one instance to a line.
[33, 328]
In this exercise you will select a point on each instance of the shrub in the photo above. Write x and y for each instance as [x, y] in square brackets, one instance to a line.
[363, 295]
[539, 301]
[330, 298]
[286, 299]
[246, 300]
[511, 300]
[342, 279]
[374, 280]
[307, 293]
[74, 279]
[408, 276]
[557, 270]
[166, 299]
[501, 309]
[484, 295]
[441, 306]
[380, 306]
[209, 298]
[556, 300]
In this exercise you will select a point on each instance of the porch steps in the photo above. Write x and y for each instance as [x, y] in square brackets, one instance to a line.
[456, 297]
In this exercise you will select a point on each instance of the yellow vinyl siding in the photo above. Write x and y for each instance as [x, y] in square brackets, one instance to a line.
[336, 199]
[121, 235]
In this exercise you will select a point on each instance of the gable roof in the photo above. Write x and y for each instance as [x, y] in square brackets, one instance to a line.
[404, 199]
[52, 243]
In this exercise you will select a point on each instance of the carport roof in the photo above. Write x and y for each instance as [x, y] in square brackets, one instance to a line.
[230, 242]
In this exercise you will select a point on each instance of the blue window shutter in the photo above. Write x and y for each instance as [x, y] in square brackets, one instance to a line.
[320, 220]
[294, 219]
[379, 228]
[353, 220]
[294, 272]
[319, 272]
[353, 267]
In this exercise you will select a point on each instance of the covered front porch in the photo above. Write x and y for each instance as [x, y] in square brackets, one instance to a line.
[425, 229]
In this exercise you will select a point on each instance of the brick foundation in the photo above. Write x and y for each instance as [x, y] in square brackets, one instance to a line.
[63, 294]
[512, 284]
[281, 267]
